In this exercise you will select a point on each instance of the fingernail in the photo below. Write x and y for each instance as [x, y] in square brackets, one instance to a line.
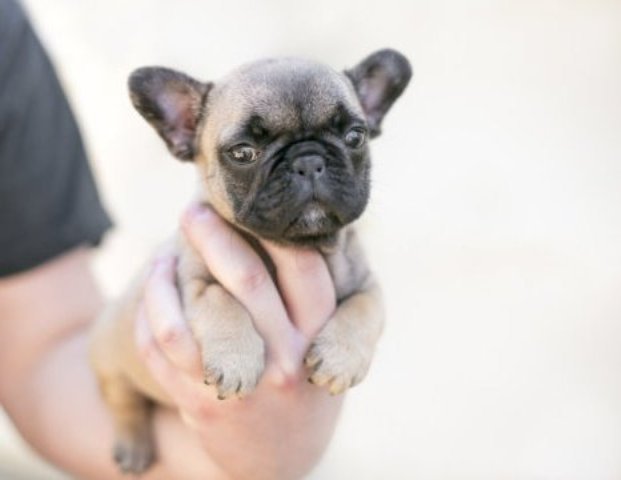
[194, 212]
[162, 263]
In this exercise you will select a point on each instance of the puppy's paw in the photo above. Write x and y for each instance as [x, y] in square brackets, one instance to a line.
[338, 358]
[134, 454]
[235, 363]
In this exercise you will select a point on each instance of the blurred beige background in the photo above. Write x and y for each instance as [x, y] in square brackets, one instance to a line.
[495, 222]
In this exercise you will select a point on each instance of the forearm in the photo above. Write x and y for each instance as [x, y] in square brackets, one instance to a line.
[57, 408]
[46, 384]
[49, 390]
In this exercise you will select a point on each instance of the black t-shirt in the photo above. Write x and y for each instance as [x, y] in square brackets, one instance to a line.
[48, 198]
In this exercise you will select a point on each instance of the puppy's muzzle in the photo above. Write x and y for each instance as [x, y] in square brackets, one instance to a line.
[308, 164]
[309, 167]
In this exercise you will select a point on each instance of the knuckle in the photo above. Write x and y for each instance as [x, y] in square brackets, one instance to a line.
[169, 337]
[252, 279]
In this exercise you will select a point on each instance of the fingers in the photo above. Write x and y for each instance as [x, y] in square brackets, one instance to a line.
[240, 270]
[162, 310]
[193, 398]
[163, 372]
[306, 286]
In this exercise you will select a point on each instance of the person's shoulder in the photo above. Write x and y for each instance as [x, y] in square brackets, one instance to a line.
[14, 32]
[13, 20]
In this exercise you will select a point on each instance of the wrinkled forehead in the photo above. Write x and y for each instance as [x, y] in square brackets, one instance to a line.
[285, 94]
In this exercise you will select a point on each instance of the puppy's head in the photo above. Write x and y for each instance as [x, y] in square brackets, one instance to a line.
[281, 145]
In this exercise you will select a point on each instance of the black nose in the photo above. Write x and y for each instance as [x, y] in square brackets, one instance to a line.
[309, 166]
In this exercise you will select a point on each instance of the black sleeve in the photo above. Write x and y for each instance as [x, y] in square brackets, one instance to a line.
[48, 198]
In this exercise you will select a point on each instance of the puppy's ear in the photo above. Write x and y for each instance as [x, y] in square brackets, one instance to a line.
[173, 103]
[379, 80]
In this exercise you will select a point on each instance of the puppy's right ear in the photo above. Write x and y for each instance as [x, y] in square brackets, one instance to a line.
[173, 103]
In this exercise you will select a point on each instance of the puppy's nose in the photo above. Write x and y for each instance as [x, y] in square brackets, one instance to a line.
[309, 166]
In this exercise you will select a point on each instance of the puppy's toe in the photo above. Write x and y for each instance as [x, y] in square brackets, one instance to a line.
[337, 363]
[234, 368]
[134, 455]
[312, 359]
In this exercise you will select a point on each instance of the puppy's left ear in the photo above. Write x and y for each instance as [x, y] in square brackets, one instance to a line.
[379, 80]
[173, 103]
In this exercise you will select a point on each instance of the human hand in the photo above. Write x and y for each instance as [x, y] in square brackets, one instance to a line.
[287, 316]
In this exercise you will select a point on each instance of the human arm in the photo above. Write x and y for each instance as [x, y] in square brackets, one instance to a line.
[48, 298]
[50, 393]
[47, 387]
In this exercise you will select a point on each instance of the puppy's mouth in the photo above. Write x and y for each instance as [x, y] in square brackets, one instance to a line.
[313, 225]
[312, 222]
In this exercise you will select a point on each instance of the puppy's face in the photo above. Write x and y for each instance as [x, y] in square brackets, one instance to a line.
[282, 145]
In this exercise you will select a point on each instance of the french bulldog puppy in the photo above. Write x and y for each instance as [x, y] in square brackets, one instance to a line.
[281, 148]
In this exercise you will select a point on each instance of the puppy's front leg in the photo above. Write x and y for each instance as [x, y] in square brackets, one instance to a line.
[233, 353]
[341, 354]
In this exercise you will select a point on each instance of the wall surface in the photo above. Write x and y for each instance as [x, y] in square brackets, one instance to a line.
[495, 222]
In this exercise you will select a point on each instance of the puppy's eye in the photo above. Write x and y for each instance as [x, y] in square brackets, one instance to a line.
[244, 153]
[355, 137]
